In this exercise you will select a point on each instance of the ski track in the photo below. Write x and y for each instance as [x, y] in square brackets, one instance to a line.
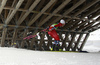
[14, 56]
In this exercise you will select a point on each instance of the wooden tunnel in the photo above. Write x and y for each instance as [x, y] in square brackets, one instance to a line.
[20, 18]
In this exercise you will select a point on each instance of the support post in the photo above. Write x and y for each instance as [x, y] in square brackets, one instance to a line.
[41, 41]
[77, 43]
[71, 42]
[24, 35]
[84, 41]
[3, 36]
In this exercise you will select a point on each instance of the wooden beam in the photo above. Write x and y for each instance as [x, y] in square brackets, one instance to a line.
[67, 12]
[55, 11]
[85, 7]
[92, 10]
[40, 5]
[84, 41]
[89, 25]
[49, 10]
[42, 11]
[14, 35]
[3, 3]
[40, 28]
[24, 35]
[49, 41]
[60, 35]
[65, 40]
[71, 42]
[93, 26]
[26, 7]
[2, 18]
[32, 44]
[13, 5]
[94, 15]
[96, 28]
[33, 40]
[4, 32]
[13, 12]
[77, 43]
[28, 12]
[41, 40]
[45, 13]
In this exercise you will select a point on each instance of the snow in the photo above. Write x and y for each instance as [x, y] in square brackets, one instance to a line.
[14, 56]
[91, 48]
[93, 42]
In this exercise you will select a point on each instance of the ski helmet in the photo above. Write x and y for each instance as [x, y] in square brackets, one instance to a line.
[62, 21]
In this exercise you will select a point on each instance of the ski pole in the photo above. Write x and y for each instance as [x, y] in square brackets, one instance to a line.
[31, 36]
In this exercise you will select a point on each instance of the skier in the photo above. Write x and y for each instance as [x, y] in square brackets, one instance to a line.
[52, 32]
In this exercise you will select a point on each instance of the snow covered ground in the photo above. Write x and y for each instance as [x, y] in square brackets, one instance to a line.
[14, 56]
[92, 46]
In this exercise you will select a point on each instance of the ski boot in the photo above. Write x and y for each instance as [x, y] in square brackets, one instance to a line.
[53, 47]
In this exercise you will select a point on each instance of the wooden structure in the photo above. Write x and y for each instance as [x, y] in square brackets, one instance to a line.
[21, 17]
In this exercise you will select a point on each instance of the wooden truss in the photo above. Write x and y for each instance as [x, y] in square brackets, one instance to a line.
[18, 18]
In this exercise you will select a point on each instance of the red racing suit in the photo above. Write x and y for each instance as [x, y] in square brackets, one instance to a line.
[53, 32]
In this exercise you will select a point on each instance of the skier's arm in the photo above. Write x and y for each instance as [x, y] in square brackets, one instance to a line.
[58, 25]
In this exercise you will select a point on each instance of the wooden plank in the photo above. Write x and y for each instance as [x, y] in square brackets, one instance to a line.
[67, 12]
[42, 11]
[3, 3]
[13, 12]
[4, 32]
[55, 11]
[28, 12]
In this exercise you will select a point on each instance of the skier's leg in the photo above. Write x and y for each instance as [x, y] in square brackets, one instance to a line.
[53, 47]
[57, 45]
[54, 35]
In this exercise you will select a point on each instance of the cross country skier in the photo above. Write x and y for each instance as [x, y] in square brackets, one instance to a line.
[52, 32]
